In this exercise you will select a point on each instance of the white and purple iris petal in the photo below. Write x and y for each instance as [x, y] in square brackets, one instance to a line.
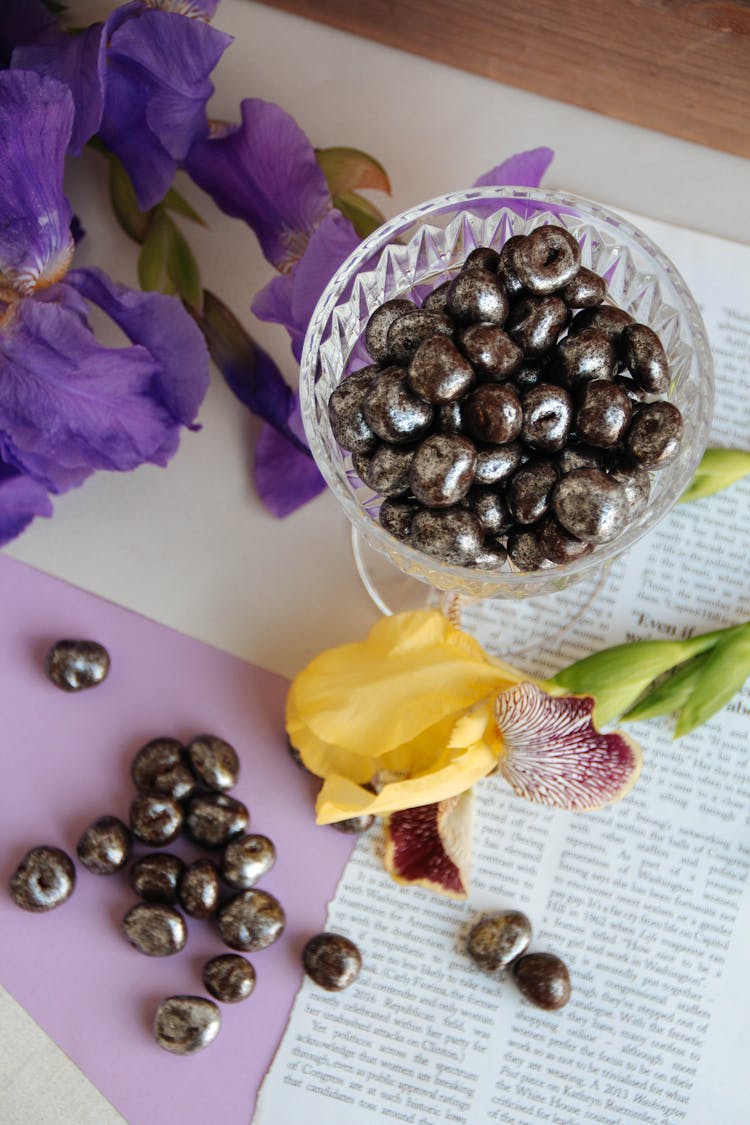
[264, 171]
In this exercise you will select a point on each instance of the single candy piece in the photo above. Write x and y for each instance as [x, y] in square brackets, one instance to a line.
[438, 373]
[548, 259]
[386, 470]
[251, 921]
[605, 318]
[437, 300]
[393, 411]
[497, 939]
[496, 463]
[484, 257]
[199, 889]
[331, 961]
[543, 979]
[45, 878]
[585, 290]
[376, 331]
[156, 877]
[636, 485]
[348, 423]
[590, 505]
[161, 766]
[524, 550]
[491, 352]
[547, 417]
[557, 544]
[478, 295]
[213, 819]
[529, 489]
[155, 818]
[603, 414]
[229, 978]
[490, 557]
[355, 825]
[246, 860]
[655, 434]
[588, 355]
[493, 413]
[186, 1024]
[104, 847]
[155, 929]
[396, 516]
[407, 332]
[214, 762]
[506, 268]
[442, 470]
[76, 665]
[535, 323]
[451, 534]
[644, 356]
[491, 510]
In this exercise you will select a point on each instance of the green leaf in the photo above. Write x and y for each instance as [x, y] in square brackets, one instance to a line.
[617, 676]
[347, 169]
[724, 673]
[363, 215]
[182, 268]
[718, 469]
[175, 201]
[152, 260]
[133, 221]
[669, 694]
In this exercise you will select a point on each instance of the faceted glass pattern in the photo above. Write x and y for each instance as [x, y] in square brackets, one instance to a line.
[412, 254]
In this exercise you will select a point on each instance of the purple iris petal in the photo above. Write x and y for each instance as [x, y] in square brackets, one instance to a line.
[525, 169]
[291, 300]
[265, 172]
[79, 62]
[21, 499]
[286, 476]
[157, 87]
[68, 403]
[22, 21]
[36, 115]
[161, 325]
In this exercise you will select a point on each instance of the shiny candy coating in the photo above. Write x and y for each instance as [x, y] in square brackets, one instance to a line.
[213, 819]
[579, 457]
[490, 557]
[104, 847]
[252, 920]
[396, 517]
[44, 879]
[331, 961]
[585, 290]
[476, 295]
[492, 413]
[186, 1024]
[449, 418]
[410, 330]
[386, 470]
[605, 318]
[547, 417]
[557, 544]
[655, 434]
[484, 257]
[590, 505]
[376, 331]
[156, 877]
[636, 485]
[491, 352]
[603, 413]
[246, 860]
[451, 534]
[529, 489]
[524, 550]
[543, 979]
[548, 258]
[155, 818]
[496, 463]
[355, 825]
[161, 766]
[497, 939]
[155, 929]
[442, 470]
[74, 665]
[438, 373]
[588, 355]
[437, 300]
[393, 411]
[214, 762]
[535, 323]
[644, 356]
[229, 978]
[506, 268]
[348, 423]
[200, 889]
[491, 510]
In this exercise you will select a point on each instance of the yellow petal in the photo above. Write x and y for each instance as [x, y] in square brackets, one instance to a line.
[455, 771]
[320, 757]
[413, 670]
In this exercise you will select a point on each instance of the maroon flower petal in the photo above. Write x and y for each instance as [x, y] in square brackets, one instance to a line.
[430, 846]
[553, 754]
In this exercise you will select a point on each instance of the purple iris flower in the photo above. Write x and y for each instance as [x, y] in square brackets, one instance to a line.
[141, 81]
[68, 404]
[21, 21]
[524, 169]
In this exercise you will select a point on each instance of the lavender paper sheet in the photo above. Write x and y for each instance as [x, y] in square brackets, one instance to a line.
[66, 761]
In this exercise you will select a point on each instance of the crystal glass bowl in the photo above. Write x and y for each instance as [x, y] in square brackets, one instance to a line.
[412, 254]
